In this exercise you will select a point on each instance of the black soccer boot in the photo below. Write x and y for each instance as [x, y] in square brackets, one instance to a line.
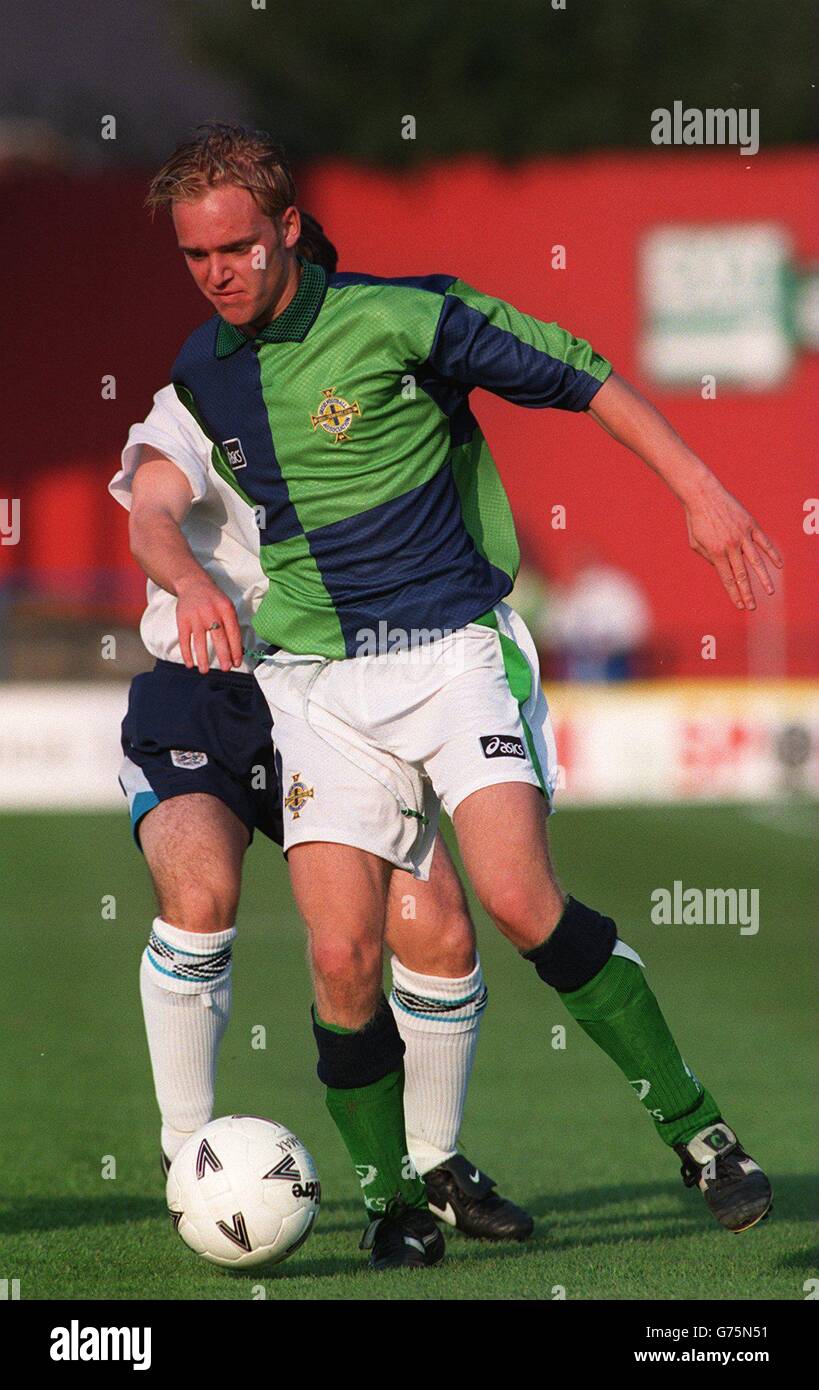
[464, 1197]
[403, 1238]
[733, 1185]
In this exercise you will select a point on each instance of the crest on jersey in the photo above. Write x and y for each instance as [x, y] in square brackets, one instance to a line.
[298, 795]
[335, 415]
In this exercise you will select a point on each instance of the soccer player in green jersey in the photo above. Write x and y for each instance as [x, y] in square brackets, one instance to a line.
[397, 678]
[199, 772]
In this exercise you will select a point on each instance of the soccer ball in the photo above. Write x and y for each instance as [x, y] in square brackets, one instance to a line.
[243, 1191]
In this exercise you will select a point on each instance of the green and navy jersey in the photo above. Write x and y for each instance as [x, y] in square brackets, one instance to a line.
[346, 423]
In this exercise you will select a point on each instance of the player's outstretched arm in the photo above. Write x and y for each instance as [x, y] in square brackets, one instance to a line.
[719, 528]
[161, 499]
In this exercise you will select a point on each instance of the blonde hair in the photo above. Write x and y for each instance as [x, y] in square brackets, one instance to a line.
[225, 154]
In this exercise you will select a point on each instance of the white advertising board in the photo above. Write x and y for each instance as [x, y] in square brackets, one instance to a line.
[664, 741]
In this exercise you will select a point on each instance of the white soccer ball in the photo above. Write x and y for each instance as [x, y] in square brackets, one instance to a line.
[243, 1191]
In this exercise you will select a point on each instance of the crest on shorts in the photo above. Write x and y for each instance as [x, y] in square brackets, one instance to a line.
[335, 415]
[298, 795]
[183, 757]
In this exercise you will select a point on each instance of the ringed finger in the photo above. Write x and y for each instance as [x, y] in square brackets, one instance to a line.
[220, 646]
[233, 633]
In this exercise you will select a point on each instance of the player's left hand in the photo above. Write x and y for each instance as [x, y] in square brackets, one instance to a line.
[720, 529]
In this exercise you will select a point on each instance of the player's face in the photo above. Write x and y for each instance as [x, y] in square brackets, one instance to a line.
[241, 260]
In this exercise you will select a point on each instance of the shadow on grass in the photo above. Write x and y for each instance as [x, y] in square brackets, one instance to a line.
[796, 1198]
[70, 1213]
[804, 1261]
[31, 1214]
[586, 1217]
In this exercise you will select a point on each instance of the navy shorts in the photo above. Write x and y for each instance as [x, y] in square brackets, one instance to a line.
[185, 732]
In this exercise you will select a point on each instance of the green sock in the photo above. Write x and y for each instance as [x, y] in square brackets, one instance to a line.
[370, 1120]
[619, 1012]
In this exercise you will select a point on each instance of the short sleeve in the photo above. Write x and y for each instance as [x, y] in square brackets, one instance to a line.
[171, 429]
[486, 342]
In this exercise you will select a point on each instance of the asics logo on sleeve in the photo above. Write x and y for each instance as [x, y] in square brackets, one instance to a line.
[235, 453]
[502, 746]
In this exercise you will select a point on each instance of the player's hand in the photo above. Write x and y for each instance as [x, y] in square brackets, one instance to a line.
[203, 611]
[720, 529]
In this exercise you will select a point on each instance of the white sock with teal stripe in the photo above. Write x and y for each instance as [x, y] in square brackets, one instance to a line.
[438, 1019]
[186, 989]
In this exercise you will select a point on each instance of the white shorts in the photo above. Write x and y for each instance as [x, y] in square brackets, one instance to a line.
[370, 747]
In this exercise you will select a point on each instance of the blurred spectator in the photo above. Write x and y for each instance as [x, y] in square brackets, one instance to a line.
[599, 621]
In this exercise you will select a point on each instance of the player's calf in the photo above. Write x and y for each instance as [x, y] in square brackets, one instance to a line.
[364, 1075]
[347, 970]
[438, 998]
[341, 893]
[193, 846]
[602, 983]
[428, 924]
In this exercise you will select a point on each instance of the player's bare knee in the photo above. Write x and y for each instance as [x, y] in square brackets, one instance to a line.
[348, 979]
[201, 909]
[524, 918]
[339, 960]
[452, 953]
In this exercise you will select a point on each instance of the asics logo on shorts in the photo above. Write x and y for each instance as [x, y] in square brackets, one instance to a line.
[502, 746]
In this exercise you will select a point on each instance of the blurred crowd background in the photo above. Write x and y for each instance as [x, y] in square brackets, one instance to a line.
[509, 146]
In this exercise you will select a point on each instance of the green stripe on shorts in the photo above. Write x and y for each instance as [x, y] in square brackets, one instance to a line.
[519, 679]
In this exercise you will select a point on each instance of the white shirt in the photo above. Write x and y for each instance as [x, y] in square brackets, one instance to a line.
[220, 528]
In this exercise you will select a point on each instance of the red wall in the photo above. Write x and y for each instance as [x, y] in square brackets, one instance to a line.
[103, 291]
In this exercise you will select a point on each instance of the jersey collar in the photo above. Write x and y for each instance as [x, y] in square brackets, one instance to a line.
[291, 326]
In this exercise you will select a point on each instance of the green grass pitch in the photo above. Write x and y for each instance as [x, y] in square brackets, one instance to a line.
[559, 1129]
